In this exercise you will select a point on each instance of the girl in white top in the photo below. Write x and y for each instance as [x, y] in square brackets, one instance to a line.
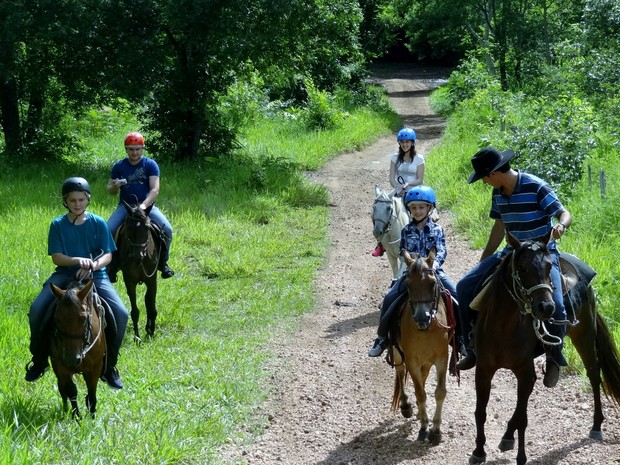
[406, 170]
[406, 166]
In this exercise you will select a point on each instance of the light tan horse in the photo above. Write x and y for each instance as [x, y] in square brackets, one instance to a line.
[423, 338]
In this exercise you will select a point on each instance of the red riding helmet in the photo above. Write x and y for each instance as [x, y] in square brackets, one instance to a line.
[134, 139]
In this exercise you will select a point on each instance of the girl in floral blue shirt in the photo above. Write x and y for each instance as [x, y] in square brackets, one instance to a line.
[419, 236]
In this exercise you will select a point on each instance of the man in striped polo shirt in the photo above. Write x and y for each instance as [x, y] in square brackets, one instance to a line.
[525, 206]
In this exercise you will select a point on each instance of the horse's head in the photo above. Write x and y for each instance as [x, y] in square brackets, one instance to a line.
[530, 265]
[73, 320]
[423, 288]
[382, 211]
[137, 225]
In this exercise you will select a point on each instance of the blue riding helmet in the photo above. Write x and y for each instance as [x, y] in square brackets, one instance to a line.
[405, 134]
[420, 194]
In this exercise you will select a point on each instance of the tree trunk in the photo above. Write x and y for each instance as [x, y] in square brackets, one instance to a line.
[9, 114]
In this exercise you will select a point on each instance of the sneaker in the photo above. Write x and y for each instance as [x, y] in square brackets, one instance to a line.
[34, 370]
[112, 378]
[552, 373]
[379, 250]
[167, 272]
[378, 347]
[467, 362]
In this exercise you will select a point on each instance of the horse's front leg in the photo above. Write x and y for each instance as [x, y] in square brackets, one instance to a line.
[135, 311]
[151, 309]
[483, 391]
[91, 378]
[526, 378]
[68, 393]
[434, 436]
[419, 375]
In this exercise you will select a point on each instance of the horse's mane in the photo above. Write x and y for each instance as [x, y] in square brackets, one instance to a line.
[71, 296]
[495, 286]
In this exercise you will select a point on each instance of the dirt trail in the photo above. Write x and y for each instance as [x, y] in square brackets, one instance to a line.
[330, 402]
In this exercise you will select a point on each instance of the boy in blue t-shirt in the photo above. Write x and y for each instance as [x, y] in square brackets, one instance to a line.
[79, 243]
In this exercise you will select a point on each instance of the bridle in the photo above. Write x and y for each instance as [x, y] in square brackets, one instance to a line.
[523, 296]
[433, 301]
[139, 249]
[519, 292]
[86, 333]
[387, 224]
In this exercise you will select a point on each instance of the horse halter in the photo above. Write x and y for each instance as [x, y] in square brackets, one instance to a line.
[141, 247]
[519, 292]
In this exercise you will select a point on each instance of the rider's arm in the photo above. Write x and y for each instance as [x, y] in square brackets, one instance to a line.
[419, 177]
[112, 187]
[153, 193]
[395, 184]
[564, 221]
[60, 259]
[496, 236]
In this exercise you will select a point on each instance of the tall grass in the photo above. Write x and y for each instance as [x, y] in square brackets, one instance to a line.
[249, 236]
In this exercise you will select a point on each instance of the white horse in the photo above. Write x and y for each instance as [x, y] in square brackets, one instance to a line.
[389, 218]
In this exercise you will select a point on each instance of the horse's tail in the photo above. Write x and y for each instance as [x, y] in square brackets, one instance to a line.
[609, 360]
[400, 378]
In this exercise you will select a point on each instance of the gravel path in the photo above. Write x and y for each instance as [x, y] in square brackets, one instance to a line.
[329, 402]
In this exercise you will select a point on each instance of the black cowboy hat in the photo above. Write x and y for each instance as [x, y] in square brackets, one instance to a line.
[488, 160]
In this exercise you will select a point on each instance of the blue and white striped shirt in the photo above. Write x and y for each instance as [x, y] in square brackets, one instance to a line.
[527, 213]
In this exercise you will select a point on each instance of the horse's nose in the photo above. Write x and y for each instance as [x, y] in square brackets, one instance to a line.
[422, 320]
[543, 310]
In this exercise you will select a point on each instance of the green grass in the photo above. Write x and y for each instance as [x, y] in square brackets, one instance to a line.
[250, 234]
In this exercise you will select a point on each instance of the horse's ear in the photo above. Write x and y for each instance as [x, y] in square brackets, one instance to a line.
[85, 290]
[547, 237]
[431, 256]
[408, 259]
[148, 209]
[58, 292]
[512, 241]
[377, 190]
[128, 207]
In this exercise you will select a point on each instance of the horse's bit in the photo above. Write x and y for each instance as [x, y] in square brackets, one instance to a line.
[141, 247]
[434, 301]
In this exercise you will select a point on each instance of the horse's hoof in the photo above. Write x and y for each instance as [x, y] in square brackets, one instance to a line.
[475, 459]
[596, 435]
[422, 435]
[407, 412]
[434, 437]
[506, 444]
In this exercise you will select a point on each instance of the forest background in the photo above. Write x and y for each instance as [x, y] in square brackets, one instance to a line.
[237, 100]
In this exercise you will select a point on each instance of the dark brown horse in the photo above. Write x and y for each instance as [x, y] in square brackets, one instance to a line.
[77, 343]
[510, 332]
[423, 338]
[139, 249]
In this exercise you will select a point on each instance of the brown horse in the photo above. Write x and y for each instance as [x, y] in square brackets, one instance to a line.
[139, 248]
[424, 335]
[510, 332]
[77, 343]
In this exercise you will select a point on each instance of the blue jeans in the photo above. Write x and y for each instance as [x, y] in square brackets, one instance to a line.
[399, 289]
[40, 306]
[467, 288]
[120, 213]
